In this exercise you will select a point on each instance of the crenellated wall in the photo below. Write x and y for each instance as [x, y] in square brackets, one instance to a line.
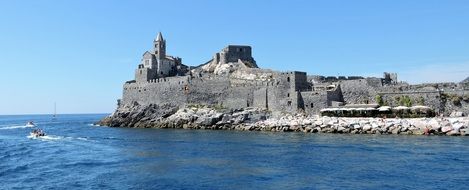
[282, 92]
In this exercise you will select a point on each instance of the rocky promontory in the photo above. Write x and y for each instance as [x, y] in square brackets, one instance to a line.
[255, 119]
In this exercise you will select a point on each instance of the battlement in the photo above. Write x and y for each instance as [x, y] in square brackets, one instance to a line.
[327, 79]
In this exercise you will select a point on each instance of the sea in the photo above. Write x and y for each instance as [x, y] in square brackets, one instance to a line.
[75, 154]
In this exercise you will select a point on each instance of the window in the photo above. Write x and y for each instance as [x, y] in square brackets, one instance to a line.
[288, 79]
[289, 103]
[288, 94]
[312, 105]
[140, 71]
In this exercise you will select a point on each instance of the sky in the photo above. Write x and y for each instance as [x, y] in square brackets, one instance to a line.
[79, 53]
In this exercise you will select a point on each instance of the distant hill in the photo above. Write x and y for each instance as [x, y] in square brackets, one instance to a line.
[465, 80]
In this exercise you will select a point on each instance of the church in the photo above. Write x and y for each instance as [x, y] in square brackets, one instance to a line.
[157, 64]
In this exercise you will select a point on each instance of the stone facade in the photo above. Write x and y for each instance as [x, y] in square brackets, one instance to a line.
[232, 79]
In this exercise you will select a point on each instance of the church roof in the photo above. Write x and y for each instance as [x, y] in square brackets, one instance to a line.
[159, 37]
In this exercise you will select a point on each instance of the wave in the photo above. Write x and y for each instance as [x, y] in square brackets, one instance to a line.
[16, 127]
[82, 138]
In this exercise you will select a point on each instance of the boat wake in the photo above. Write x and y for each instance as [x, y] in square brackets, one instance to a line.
[16, 127]
[56, 138]
[47, 137]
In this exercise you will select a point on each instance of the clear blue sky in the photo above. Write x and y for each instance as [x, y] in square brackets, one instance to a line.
[79, 53]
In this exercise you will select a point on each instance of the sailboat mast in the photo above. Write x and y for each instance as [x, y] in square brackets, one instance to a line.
[55, 109]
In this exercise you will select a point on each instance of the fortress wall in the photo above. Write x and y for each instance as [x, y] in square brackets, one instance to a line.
[335, 95]
[163, 90]
[261, 98]
[374, 82]
[300, 81]
[277, 95]
[239, 97]
[208, 90]
[314, 101]
[282, 98]
[431, 99]
[357, 91]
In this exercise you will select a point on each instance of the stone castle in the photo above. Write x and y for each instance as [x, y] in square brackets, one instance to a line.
[232, 79]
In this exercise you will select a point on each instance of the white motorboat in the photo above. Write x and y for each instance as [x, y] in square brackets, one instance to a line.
[37, 133]
[30, 124]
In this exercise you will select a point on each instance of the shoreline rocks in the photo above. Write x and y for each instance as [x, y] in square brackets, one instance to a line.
[254, 119]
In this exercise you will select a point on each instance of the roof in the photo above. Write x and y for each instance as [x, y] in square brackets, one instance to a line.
[159, 37]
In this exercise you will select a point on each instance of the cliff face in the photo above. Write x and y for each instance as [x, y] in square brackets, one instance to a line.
[138, 116]
[254, 119]
[169, 116]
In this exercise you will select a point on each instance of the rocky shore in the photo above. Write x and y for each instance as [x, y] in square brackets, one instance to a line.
[253, 119]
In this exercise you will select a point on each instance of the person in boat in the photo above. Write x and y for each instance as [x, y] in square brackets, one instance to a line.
[38, 133]
[30, 123]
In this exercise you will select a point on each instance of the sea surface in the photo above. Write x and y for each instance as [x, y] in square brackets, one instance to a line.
[78, 155]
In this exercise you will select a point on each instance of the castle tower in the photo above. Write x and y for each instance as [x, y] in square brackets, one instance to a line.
[159, 46]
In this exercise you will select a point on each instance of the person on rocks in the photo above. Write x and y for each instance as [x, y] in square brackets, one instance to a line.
[426, 131]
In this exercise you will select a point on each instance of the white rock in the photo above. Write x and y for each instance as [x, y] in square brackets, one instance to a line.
[356, 126]
[446, 129]
[457, 126]
[367, 127]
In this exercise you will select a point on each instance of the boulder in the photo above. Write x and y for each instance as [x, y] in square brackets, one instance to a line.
[434, 125]
[316, 130]
[453, 133]
[341, 129]
[464, 132]
[367, 127]
[457, 126]
[357, 126]
[456, 114]
[446, 129]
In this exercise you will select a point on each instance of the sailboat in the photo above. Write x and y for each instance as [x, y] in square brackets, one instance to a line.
[54, 117]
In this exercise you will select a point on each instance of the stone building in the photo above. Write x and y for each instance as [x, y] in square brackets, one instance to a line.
[157, 64]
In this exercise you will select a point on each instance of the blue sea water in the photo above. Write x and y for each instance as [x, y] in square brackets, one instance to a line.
[78, 155]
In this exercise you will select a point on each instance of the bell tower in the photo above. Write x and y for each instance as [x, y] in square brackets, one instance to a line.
[159, 46]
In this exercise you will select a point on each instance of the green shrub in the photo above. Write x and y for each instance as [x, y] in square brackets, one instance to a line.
[379, 100]
[405, 101]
